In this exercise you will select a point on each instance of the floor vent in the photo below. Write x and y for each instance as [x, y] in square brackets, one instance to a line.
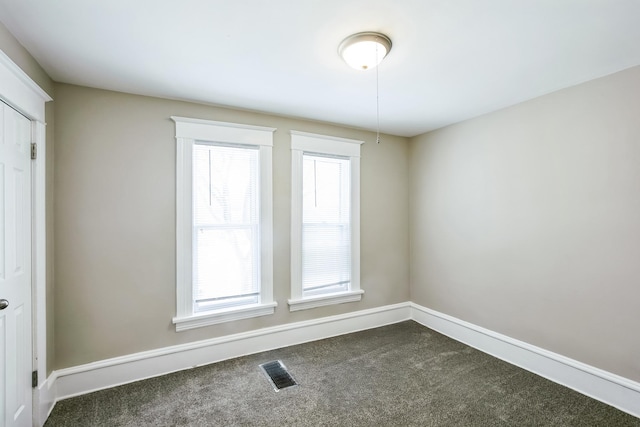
[278, 375]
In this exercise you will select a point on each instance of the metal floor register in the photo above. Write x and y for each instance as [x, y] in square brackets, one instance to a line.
[278, 375]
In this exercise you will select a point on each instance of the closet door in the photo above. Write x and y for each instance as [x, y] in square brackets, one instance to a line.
[15, 269]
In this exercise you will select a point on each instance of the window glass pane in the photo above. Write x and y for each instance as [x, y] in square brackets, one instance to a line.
[326, 233]
[225, 185]
[226, 227]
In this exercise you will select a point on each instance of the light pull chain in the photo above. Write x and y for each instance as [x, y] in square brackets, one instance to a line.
[377, 99]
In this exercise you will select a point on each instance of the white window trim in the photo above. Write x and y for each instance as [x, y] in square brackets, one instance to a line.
[303, 142]
[188, 131]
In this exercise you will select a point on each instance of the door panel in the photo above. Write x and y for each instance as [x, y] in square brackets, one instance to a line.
[15, 268]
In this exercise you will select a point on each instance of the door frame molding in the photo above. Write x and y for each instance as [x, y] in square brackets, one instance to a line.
[19, 91]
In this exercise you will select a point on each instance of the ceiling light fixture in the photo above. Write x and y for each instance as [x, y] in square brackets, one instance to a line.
[364, 51]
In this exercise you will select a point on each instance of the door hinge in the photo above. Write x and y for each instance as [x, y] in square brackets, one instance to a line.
[34, 151]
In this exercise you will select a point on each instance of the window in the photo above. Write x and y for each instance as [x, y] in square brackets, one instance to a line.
[325, 221]
[223, 222]
[226, 230]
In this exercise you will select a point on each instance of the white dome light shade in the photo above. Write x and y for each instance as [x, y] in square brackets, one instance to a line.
[363, 51]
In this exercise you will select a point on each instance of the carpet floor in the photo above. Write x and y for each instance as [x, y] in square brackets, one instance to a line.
[397, 375]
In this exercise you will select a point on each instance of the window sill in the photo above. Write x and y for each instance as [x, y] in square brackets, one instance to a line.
[322, 300]
[221, 316]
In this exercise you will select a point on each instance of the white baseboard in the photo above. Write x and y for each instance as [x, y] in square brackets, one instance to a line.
[108, 373]
[609, 388]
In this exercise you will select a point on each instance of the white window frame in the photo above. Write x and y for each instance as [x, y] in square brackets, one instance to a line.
[303, 142]
[188, 131]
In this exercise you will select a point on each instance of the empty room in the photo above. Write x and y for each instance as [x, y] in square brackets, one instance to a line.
[340, 213]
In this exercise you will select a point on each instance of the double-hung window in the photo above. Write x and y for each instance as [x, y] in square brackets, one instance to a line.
[223, 222]
[325, 220]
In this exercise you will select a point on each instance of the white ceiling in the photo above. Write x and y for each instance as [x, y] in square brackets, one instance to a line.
[451, 59]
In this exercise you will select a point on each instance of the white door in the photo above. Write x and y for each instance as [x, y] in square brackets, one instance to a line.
[15, 268]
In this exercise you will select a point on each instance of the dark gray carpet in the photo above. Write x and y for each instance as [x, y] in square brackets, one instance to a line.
[398, 375]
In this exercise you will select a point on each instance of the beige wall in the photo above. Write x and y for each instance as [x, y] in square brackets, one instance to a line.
[526, 221]
[19, 55]
[115, 222]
